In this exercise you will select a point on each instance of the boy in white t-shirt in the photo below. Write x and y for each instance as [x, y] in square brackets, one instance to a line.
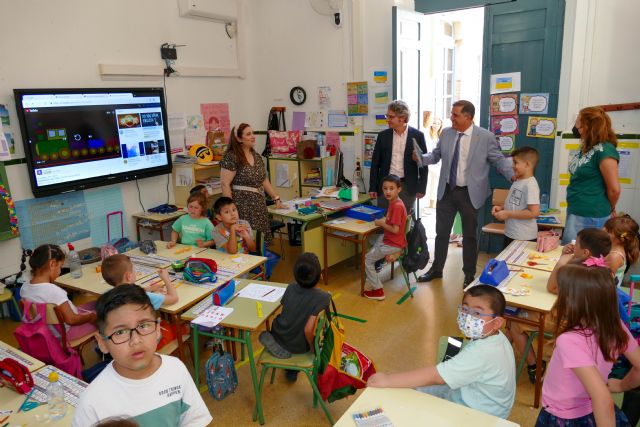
[153, 389]
[522, 206]
[482, 375]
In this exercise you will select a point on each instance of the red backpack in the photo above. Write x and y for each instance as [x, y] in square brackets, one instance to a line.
[36, 339]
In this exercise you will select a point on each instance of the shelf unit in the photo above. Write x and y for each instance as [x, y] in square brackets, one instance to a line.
[199, 173]
[296, 170]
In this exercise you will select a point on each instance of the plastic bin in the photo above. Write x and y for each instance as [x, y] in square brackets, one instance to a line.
[365, 212]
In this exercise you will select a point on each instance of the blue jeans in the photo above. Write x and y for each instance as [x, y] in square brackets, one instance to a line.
[577, 223]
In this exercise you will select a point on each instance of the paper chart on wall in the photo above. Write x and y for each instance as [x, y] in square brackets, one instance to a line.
[625, 174]
[324, 97]
[507, 82]
[4, 145]
[541, 127]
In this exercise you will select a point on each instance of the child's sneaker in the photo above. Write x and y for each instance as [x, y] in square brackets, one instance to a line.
[531, 370]
[377, 294]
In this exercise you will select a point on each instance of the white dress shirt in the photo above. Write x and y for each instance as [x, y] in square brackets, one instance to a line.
[465, 143]
[397, 153]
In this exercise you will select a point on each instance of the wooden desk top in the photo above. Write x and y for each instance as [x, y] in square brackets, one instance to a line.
[408, 407]
[158, 217]
[535, 281]
[7, 350]
[311, 217]
[351, 225]
[521, 253]
[244, 315]
[36, 417]
[238, 263]
[178, 252]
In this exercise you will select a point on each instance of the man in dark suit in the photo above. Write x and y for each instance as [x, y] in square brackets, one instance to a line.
[393, 154]
[467, 152]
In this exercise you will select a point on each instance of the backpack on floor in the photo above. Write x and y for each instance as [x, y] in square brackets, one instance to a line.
[221, 374]
[417, 255]
[37, 340]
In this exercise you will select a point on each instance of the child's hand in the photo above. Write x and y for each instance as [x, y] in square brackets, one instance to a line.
[568, 249]
[615, 385]
[501, 215]
[200, 243]
[164, 274]
[377, 380]
[496, 209]
[155, 288]
[171, 244]
[379, 222]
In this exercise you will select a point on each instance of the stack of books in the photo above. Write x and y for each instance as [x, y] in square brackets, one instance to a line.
[313, 177]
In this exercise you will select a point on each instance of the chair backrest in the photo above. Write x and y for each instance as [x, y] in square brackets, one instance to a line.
[499, 196]
[319, 334]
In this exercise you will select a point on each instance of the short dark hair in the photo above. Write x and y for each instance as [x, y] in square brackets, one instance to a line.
[393, 178]
[596, 240]
[221, 203]
[116, 298]
[467, 107]
[197, 189]
[528, 154]
[114, 268]
[42, 255]
[307, 270]
[490, 293]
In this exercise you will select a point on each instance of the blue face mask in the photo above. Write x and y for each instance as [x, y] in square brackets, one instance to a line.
[471, 326]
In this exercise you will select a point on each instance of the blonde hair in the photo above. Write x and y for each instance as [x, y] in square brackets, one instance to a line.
[115, 267]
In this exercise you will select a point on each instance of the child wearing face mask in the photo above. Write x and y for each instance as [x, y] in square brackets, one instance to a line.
[482, 375]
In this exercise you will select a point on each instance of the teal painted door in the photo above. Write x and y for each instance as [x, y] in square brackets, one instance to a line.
[524, 36]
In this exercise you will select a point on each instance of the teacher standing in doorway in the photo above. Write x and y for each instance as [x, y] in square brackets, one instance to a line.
[467, 152]
[392, 154]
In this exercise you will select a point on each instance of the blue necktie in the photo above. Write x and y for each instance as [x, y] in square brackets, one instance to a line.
[453, 172]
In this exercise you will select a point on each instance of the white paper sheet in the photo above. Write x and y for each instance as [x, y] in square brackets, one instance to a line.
[262, 292]
[212, 316]
[282, 176]
[184, 177]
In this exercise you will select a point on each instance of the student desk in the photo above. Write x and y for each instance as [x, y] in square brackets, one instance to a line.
[408, 407]
[538, 301]
[245, 319]
[519, 251]
[35, 417]
[352, 230]
[155, 221]
[311, 230]
[238, 264]
[31, 363]
[176, 253]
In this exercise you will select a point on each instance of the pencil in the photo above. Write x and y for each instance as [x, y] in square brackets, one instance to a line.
[268, 292]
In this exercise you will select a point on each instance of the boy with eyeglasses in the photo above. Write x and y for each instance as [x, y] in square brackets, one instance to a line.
[482, 375]
[153, 389]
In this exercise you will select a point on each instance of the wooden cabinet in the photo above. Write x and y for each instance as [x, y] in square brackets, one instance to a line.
[296, 171]
[192, 175]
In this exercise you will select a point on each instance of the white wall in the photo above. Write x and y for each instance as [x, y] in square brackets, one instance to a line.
[600, 66]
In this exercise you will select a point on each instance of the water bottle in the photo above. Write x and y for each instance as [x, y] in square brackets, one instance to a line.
[544, 202]
[55, 398]
[354, 192]
[74, 262]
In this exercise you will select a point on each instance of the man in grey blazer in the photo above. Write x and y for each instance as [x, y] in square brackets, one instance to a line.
[467, 152]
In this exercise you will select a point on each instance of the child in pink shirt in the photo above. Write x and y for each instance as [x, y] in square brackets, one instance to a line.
[590, 337]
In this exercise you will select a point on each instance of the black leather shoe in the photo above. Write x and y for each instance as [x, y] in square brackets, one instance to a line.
[430, 275]
[468, 280]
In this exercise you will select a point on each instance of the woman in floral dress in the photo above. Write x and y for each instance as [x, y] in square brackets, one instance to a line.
[243, 177]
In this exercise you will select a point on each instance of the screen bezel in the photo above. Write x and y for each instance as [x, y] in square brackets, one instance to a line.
[101, 180]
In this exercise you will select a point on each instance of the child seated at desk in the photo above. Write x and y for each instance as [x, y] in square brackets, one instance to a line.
[118, 270]
[482, 375]
[522, 206]
[232, 235]
[392, 241]
[46, 264]
[203, 189]
[195, 228]
[590, 242]
[153, 389]
[294, 329]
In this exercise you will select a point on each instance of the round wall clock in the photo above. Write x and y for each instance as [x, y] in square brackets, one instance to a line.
[298, 95]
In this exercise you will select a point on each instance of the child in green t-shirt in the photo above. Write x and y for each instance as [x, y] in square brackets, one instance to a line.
[193, 229]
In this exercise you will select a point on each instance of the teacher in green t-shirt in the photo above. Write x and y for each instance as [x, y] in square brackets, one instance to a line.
[594, 189]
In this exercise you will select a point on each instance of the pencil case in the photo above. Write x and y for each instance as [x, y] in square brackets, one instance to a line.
[224, 293]
[494, 272]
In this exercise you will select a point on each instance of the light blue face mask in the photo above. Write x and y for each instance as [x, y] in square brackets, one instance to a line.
[471, 326]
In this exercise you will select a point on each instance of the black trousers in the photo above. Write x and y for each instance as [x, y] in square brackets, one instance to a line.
[452, 202]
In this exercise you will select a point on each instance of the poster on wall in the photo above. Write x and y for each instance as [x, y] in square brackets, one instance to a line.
[379, 76]
[534, 103]
[541, 127]
[195, 132]
[504, 125]
[4, 145]
[367, 148]
[4, 115]
[507, 143]
[357, 98]
[504, 104]
[324, 97]
[216, 117]
[507, 82]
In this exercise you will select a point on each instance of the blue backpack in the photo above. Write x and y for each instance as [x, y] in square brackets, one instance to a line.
[221, 374]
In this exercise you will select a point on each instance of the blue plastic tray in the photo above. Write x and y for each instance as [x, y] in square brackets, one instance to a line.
[365, 212]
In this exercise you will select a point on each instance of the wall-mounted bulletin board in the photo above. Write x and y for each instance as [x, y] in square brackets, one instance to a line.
[8, 218]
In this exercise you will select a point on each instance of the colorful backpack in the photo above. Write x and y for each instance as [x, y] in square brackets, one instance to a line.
[200, 270]
[107, 250]
[221, 374]
[36, 339]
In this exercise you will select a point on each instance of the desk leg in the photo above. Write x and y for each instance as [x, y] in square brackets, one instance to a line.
[175, 321]
[538, 386]
[355, 259]
[161, 232]
[196, 356]
[362, 260]
[326, 258]
[254, 375]
[137, 229]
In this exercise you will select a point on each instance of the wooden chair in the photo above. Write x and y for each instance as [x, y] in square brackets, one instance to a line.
[495, 228]
[308, 363]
